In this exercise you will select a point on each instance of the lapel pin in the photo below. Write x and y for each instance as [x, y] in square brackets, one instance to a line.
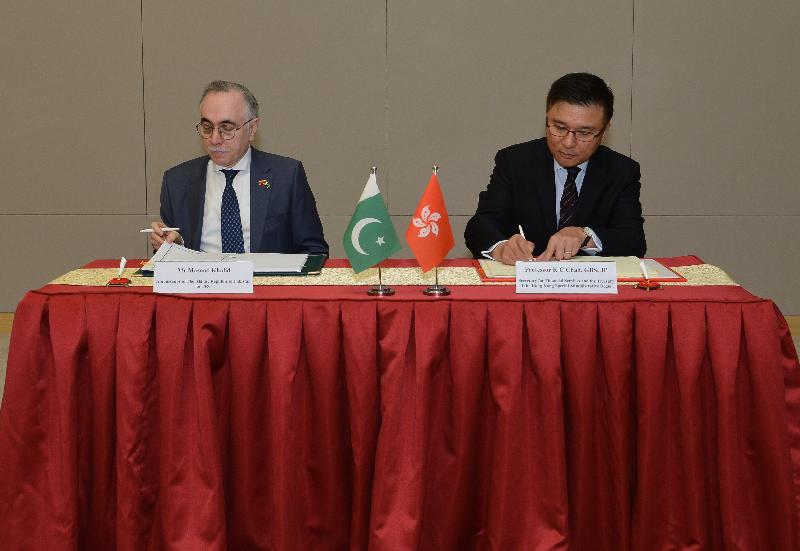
[264, 183]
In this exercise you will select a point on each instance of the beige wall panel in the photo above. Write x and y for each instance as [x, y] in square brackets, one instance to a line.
[468, 78]
[744, 246]
[60, 244]
[71, 108]
[336, 225]
[715, 123]
[317, 69]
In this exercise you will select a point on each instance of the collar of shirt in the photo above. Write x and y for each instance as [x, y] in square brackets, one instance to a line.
[561, 177]
[241, 165]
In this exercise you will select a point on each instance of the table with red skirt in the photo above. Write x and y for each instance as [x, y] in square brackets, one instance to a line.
[320, 418]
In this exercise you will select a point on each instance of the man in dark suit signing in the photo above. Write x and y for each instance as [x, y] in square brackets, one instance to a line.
[569, 194]
[237, 198]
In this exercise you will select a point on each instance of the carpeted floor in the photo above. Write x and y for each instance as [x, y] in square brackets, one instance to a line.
[4, 355]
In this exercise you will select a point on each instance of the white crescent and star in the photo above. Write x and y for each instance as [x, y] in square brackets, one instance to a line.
[356, 233]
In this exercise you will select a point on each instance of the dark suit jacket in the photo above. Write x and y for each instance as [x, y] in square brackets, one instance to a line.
[522, 192]
[283, 214]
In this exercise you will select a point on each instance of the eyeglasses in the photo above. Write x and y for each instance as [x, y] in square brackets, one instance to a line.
[227, 130]
[581, 135]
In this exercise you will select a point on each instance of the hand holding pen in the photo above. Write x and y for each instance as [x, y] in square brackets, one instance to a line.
[160, 233]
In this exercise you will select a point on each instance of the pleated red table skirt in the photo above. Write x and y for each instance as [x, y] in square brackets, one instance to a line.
[316, 419]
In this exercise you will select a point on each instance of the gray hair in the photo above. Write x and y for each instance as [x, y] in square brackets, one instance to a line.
[227, 86]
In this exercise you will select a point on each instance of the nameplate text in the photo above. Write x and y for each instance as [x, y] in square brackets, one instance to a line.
[567, 277]
[203, 277]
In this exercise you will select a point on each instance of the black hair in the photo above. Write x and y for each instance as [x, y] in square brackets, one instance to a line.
[582, 89]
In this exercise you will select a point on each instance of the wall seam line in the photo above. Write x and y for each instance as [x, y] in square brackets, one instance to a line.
[633, 53]
[144, 119]
[385, 190]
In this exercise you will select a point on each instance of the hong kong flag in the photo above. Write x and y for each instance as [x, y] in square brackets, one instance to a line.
[429, 234]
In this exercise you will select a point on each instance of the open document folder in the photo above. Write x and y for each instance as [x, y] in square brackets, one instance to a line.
[628, 269]
[263, 263]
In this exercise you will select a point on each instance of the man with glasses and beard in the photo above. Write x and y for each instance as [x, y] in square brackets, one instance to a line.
[564, 194]
[236, 198]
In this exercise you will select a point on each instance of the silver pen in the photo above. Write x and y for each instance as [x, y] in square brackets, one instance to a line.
[150, 230]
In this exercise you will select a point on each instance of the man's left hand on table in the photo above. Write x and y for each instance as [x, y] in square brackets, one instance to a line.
[564, 244]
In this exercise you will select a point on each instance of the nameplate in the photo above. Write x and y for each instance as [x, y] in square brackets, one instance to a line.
[567, 277]
[203, 277]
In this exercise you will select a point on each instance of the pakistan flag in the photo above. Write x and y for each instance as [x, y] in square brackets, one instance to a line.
[370, 236]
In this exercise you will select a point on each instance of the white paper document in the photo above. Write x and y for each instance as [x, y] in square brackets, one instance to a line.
[630, 266]
[262, 262]
[627, 267]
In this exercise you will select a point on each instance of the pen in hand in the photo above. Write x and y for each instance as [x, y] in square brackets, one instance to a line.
[151, 230]
[522, 235]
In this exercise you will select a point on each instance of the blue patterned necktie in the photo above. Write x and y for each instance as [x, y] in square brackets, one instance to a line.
[231, 220]
[569, 199]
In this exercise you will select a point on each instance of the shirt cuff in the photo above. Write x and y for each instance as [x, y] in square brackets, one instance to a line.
[487, 252]
[597, 249]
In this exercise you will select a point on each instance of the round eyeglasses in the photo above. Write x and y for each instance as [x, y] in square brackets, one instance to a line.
[227, 130]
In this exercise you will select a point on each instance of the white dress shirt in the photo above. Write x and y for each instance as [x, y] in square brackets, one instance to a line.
[211, 239]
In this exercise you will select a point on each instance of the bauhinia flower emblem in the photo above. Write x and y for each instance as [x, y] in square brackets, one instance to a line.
[427, 223]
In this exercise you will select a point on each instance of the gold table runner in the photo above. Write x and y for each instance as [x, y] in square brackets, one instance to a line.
[696, 275]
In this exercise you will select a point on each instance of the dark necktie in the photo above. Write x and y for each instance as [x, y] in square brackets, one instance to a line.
[569, 199]
[231, 221]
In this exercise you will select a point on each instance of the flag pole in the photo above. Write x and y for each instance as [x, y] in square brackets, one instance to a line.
[380, 290]
[436, 290]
